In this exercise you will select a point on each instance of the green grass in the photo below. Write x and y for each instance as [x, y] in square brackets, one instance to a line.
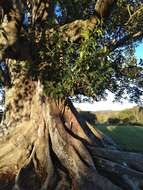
[128, 137]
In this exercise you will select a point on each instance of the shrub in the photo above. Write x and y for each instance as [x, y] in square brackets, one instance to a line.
[114, 121]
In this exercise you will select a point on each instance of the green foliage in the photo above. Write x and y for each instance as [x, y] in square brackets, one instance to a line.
[89, 67]
[134, 115]
[68, 68]
[128, 116]
[71, 68]
[93, 63]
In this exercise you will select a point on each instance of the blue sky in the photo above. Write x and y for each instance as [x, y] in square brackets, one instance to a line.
[139, 51]
[109, 105]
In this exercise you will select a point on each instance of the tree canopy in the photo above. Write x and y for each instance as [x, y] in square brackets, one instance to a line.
[75, 47]
[55, 49]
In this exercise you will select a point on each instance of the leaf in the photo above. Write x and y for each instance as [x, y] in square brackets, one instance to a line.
[85, 34]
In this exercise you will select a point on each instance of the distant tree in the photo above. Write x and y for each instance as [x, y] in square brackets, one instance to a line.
[56, 49]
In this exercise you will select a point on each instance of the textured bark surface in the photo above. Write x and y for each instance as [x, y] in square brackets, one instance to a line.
[44, 143]
[49, 146]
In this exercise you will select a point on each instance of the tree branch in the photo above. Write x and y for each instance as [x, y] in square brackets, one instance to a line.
[69, 32]
[126, 40]
[104, 7]
[10, 26]
[135, 14]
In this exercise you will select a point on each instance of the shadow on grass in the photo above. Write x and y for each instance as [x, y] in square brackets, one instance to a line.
[89, 116]
[128, 137]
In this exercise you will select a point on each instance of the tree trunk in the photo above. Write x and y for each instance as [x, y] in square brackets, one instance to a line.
[45, 144]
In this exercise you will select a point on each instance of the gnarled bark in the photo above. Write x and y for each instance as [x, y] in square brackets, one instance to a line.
[44, 143]
[49, 146]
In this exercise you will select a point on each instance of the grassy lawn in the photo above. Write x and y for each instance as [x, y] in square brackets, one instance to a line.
[128, 137]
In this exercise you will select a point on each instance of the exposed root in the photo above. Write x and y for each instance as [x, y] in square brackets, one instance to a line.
[56, 149]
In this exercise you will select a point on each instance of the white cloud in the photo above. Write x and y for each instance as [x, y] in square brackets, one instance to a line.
[105, 105]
